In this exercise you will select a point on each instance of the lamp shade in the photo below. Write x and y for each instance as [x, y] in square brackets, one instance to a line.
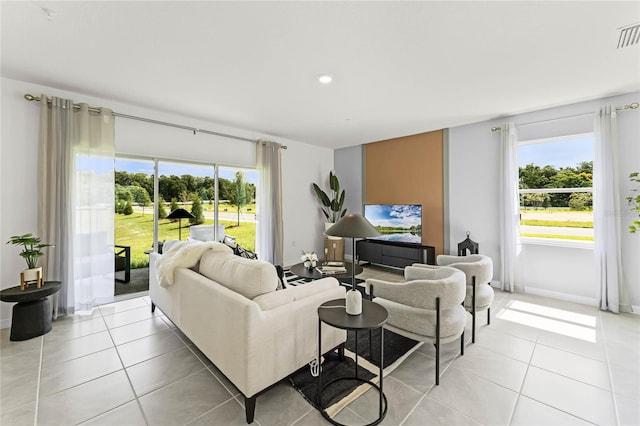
[353, 225]
[180, 214]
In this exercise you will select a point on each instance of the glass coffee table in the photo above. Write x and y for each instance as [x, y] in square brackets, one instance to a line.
[301, 271]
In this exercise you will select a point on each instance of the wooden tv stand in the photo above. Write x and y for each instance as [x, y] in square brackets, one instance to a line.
[394, 254]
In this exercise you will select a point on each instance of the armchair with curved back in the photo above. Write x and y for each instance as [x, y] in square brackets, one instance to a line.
[479, 271]
[426, 307]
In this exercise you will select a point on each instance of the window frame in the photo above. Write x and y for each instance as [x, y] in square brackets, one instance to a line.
[554, 242]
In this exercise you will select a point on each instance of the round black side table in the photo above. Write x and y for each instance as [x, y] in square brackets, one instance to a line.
[32, 313]
[373, 316]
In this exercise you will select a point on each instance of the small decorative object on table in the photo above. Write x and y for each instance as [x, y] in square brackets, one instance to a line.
[310, 259]
[31, 252]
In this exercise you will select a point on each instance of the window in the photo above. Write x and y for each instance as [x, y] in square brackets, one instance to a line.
[555, 180]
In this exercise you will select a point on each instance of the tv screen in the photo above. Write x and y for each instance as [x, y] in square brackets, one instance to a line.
[396, 222]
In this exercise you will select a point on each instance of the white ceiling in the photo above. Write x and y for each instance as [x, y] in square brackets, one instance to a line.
[399, 68]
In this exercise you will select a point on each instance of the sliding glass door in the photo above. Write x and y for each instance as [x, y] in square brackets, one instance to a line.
[134, 223]
[237, 204]
[221, 200]
[185, 186]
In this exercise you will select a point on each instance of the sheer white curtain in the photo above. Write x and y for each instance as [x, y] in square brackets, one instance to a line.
[76, 187]
[509, 206]
[269, 226]
[606, 213]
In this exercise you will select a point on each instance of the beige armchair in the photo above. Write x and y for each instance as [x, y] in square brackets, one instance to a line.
[426, 307]
[479, 271]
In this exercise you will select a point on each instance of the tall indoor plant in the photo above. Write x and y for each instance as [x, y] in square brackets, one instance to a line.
[331, 204]
[31, 251]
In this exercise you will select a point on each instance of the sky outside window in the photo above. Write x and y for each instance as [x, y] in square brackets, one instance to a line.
[562, 153]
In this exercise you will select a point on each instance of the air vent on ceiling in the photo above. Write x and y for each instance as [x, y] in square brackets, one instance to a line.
[629, 35]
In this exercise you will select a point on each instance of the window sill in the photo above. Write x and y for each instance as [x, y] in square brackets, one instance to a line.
[552, 242]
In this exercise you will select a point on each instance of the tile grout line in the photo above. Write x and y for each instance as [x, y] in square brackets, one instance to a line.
[126, 373]
[606, 356]
[541, 402]
[208, 411]
[524, 379]
[35, 417]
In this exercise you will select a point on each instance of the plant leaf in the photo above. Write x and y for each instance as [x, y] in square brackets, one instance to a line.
[333, 182]
[324, 198]
[341, 202]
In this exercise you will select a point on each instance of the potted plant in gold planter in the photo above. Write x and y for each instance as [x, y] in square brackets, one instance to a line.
[332, 210]
[31, 252]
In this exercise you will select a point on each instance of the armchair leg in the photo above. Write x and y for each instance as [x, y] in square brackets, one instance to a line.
[462, 344]
[473, 309]
[153, 307]
[250, 408]
[489, 316]
[437, 344]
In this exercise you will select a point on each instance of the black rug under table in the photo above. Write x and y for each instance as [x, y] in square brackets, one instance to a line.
[395, 347]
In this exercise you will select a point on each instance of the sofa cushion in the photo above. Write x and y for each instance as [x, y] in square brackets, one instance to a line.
[248, 277]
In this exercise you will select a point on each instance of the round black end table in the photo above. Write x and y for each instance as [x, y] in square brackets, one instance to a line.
[32, 313]
[373, 316]
[302, 271]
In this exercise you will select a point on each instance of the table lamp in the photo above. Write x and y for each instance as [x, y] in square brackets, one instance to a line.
[353, 226]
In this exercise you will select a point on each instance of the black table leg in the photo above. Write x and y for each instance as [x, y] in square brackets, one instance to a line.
[319, 361]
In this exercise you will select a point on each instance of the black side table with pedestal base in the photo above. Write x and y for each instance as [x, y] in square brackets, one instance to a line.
[373, 316]
[32, 312]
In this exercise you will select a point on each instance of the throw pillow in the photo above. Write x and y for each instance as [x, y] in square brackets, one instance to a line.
[243, 252]
[281, 277]
[230, 242]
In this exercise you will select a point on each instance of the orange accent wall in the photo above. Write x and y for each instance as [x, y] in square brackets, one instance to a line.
[409, 170]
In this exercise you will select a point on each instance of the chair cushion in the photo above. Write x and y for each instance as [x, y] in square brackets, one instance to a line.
[484, 297]
[248, 277]
[422, 322]
[476, 265]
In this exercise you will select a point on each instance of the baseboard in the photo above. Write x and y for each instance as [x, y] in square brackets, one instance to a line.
[5, 323]
[562, 296]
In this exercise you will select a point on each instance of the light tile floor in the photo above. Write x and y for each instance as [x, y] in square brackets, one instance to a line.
[540, 362]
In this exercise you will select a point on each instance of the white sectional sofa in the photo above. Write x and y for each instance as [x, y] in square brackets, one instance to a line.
[230, 309]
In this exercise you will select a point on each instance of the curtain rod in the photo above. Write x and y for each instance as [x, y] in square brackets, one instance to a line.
[195, 130]
[634, 105]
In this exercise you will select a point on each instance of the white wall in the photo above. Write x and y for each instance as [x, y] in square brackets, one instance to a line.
[473, 174]
[302, 164]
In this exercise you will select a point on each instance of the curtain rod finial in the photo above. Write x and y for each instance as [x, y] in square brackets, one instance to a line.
[29, 97]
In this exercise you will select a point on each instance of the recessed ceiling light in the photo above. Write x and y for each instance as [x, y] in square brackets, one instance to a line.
[325, 78]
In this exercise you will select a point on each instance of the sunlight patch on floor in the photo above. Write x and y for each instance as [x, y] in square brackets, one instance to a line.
[560, 314]
[550, 319]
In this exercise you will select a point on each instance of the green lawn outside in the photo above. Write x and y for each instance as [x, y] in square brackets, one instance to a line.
[558, 237]
[557, 223]
[136, 231]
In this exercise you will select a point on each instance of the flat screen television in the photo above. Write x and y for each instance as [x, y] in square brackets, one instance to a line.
[396, 222]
